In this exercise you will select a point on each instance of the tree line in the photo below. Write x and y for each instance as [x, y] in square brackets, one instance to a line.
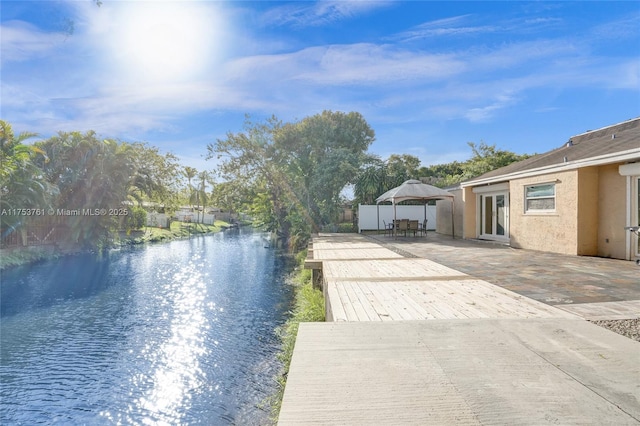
[80, 181]
[289, 177]
[381, 175]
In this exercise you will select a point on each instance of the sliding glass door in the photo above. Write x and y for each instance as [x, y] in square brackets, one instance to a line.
[494, 216]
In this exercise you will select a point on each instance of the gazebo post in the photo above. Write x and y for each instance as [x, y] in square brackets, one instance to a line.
[425, 212]
[393, 225]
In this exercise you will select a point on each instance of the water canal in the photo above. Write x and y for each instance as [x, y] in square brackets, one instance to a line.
[175, 333]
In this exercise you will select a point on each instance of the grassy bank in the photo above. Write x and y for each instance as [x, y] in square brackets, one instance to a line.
[177, 230]
[24, 255]
[308, 307]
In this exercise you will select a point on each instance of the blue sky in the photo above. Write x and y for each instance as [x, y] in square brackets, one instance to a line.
[427, 76]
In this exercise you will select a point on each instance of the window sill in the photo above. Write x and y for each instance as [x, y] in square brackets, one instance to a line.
[541, 213]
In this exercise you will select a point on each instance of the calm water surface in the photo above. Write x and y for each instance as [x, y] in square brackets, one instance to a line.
[176, 333]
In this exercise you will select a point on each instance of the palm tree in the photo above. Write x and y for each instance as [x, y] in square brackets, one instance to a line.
[205, 179]
[91, 174]
[190, 173]
[22, 183]
[371, 183]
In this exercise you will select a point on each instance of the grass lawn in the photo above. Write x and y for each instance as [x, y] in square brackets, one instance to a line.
[177, 230]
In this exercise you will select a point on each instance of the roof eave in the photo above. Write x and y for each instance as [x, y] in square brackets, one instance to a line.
[632, 154]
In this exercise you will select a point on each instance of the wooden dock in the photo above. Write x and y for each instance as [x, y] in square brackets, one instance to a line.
[364, 281]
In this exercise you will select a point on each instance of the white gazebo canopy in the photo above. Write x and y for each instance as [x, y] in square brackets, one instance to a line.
[415, 190]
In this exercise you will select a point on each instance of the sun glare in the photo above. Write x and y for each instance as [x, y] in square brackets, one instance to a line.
[165, 40]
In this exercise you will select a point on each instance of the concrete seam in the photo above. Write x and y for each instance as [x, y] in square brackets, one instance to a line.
[557, 367]
[391, 247]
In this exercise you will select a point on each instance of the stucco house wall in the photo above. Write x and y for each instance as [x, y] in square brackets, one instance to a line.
[469, 213]
[611, 213]
[590, 206]
[588, 191]
[443, 212]
[596, 177]
[560, 225]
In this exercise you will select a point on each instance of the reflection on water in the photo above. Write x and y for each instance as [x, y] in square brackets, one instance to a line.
[180, 333]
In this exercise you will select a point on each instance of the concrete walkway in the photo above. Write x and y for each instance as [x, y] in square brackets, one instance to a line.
[462, 372]
[526, 369]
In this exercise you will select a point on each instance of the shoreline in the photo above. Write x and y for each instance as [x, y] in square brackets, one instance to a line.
[25, 255]
[308, 306]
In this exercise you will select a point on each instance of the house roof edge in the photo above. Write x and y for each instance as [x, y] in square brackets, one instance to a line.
[632, 154]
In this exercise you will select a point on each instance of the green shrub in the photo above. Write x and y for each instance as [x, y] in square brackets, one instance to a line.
[136, 219]
[347, 228]
[308, 307]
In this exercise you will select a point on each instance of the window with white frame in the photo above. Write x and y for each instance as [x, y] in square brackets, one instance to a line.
[540, 198]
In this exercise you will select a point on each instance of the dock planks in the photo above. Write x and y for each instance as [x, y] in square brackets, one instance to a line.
[367, 282]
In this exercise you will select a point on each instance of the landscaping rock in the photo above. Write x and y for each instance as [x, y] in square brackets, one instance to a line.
[629, 328]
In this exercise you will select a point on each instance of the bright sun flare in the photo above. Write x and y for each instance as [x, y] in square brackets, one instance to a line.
[165, 41]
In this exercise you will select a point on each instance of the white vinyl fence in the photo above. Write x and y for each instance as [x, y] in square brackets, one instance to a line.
[157, 219]
[374, 217]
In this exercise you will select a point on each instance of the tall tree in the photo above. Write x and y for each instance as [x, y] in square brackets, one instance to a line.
[371, 182]
[251, 161]
[202, 197]
[380, 176]
[84, 179]
[22, 182]
[152, 175]
[401, 168]
[295, 172]
[326, 152]
[485, 158]
[190, 173]
[91, 175]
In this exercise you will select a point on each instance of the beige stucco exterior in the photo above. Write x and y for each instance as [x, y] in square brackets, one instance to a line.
[590, 208]
[560, 226]
[596, 177]
[588, 198]
[443, 210]
[470, 213]
[612, 194]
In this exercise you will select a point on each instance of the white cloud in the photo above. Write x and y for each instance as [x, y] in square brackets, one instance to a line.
[319, 13]
[356, 64]
[453, 26]
[21, 41]
[623, 28]
[384, 82]
[485, 113]
[387, 82]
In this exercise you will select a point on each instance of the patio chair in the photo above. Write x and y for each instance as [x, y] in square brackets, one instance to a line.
[388, 228]
[403, 226]
[413, 227]
[423, 227]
